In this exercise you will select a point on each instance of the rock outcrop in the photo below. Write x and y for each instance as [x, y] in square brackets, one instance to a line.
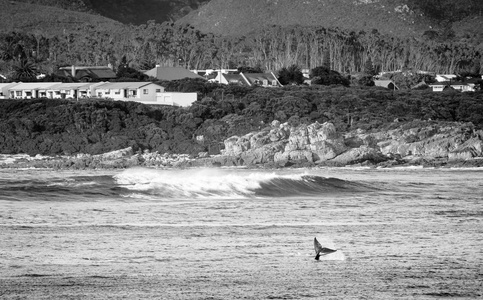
[280, 145]
[321, 144]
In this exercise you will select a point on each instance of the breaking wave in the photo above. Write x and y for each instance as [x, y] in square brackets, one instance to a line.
[209, 183]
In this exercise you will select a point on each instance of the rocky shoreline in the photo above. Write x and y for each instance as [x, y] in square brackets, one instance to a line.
[421, 143]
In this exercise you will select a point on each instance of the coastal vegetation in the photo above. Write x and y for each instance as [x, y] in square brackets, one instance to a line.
[50, 127]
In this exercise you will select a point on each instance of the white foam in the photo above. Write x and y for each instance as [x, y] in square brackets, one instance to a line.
[199, 182]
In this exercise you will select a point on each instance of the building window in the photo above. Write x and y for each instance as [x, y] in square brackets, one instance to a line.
[107, 92]
[274, 82]
[158, 90]
[18, 93]
[145, 91]
[117, 92]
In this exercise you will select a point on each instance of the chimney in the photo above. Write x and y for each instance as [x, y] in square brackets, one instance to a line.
[73, 71]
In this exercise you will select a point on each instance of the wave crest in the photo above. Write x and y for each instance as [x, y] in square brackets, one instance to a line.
[210, 183]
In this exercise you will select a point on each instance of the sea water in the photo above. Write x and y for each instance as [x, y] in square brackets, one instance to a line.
[241, 234]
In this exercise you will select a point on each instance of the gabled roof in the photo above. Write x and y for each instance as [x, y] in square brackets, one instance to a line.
[34, 86]
[253, 78]
[235, 78]
[385, 83]
[98, 72]
[171, 73]
[6, 85]
[124, 85]
[72, 86]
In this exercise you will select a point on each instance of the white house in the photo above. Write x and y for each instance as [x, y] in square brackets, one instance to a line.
[74, 90]
[129, 91]
[4, 89]
[459, 86]
[249, 79]
[144, 92]
[30, 90]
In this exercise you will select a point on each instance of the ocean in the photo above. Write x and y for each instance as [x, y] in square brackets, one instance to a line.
[401, 233]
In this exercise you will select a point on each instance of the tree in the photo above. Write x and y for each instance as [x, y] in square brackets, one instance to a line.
[245, 69]
[24, 71]
[291, 75]
[325, 76]
[369, 68]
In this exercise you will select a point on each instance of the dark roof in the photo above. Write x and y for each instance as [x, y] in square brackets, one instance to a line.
[94, 72]
[231, 78]
[171, 73]
[260, 77]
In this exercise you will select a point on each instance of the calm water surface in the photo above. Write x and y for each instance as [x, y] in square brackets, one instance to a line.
[241, 234]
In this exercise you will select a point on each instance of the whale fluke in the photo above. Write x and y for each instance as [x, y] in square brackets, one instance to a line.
[319, 250]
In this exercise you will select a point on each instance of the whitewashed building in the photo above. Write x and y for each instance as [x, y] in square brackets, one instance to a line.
[143, 92]
[4, 89]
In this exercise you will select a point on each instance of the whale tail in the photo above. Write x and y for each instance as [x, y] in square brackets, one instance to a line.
[319, 250]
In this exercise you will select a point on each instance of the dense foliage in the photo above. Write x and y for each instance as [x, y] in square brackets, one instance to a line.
[271, 49]
[95, 126]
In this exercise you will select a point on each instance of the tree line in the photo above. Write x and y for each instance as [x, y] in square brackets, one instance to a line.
[271, 48]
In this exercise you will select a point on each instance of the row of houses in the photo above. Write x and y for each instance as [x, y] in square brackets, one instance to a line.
[143, 92]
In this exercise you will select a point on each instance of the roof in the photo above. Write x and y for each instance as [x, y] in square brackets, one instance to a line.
[260, 77]
[34, 86]
[4, 85]
[99, 72]
[448, 83]
[72, 86]
[384, 83]
[124, 85]
[445, 77]
[171, 73]
[231, 78]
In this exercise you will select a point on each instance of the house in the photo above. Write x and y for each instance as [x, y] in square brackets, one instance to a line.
[30, 90]
[249, 79]
[171, 73]
[74, 90]
[88, 73]
[455, 85]
[262, 79]
[4, 89]
[388, 84]
[212, 73]
[143, 92]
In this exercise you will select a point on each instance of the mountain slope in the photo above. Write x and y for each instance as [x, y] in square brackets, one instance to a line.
[48, 20]
[231, 17]
[128, 11]
[396, 17]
